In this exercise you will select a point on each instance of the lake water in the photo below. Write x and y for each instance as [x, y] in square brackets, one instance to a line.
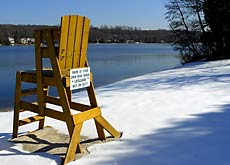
[109, 63]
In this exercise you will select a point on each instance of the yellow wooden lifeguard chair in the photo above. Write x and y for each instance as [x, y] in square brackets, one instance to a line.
[66, 48]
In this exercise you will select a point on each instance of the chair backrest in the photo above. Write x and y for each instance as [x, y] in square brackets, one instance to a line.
[70, 42]
[73, 41]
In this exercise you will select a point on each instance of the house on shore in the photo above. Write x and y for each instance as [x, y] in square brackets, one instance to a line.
[11, 41]
[27, 41]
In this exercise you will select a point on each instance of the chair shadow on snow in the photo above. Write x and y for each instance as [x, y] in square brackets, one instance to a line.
[199, 141]
[203, 140]
[8, 145]
[37, 145]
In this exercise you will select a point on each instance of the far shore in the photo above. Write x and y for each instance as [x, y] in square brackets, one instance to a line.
[5, 109]
[100, 43]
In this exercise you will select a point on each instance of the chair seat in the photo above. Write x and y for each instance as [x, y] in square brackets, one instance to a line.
[48, 75]
[48, 72]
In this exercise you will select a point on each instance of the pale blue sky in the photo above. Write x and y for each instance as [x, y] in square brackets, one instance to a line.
[147, 14]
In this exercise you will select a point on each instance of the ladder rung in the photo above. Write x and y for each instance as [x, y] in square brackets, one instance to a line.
[25, 105]
[29, 106]
[30, 120]
[30, 91]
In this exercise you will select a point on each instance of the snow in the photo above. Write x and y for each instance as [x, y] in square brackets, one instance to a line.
[178, 116]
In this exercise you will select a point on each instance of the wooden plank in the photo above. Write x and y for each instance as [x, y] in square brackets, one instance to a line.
[45, 37]
[73, 105]
[29, 106]
[92, 95]
[84, 116]
[66, 81]
[78, 41]
[52, 100]
[30, 120]
[56, 34]
[55, 114]
[45, 52]
[84, 44]
[30, 91]
[63, 41]
[71, 42]
[74, 143]
[80, 107]
[45, 93]
[100, 130]
[29, 76]
[17, 104]
[61, 90]
[39, 37]
[49, 81]
[108, 127]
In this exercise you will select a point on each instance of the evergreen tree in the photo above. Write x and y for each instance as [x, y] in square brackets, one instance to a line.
[217, 15]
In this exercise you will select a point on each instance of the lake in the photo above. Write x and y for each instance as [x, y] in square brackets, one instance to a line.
[109, 63]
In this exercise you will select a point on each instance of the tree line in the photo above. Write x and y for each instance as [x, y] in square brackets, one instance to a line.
[102, 34]
[17, 32]
[126, 34]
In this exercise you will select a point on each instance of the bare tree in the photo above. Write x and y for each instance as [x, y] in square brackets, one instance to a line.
[186, 19]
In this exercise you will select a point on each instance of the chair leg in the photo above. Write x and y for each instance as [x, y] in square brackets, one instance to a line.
[64, 100]
[69, 93]
[108, 127]
[74, 143]
[93, 102]
[100, 131]
[17, 104]
[92, 95]
[45, 93]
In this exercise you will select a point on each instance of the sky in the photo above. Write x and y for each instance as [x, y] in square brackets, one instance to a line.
[146, 14]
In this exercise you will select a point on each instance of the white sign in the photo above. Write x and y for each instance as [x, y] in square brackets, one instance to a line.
[79, 78]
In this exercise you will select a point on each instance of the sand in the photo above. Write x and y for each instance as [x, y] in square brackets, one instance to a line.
[49, 140]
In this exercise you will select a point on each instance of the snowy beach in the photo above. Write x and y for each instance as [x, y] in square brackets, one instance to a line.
[174, 117]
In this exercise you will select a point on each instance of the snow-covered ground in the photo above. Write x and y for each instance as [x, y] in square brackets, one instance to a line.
[174, 117]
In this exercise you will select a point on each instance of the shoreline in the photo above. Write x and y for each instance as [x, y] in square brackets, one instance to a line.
[6, 109]
[94, 43]
[11, 108]
[135, 71]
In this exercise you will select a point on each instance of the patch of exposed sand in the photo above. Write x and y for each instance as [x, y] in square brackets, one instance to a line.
[51, 141]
